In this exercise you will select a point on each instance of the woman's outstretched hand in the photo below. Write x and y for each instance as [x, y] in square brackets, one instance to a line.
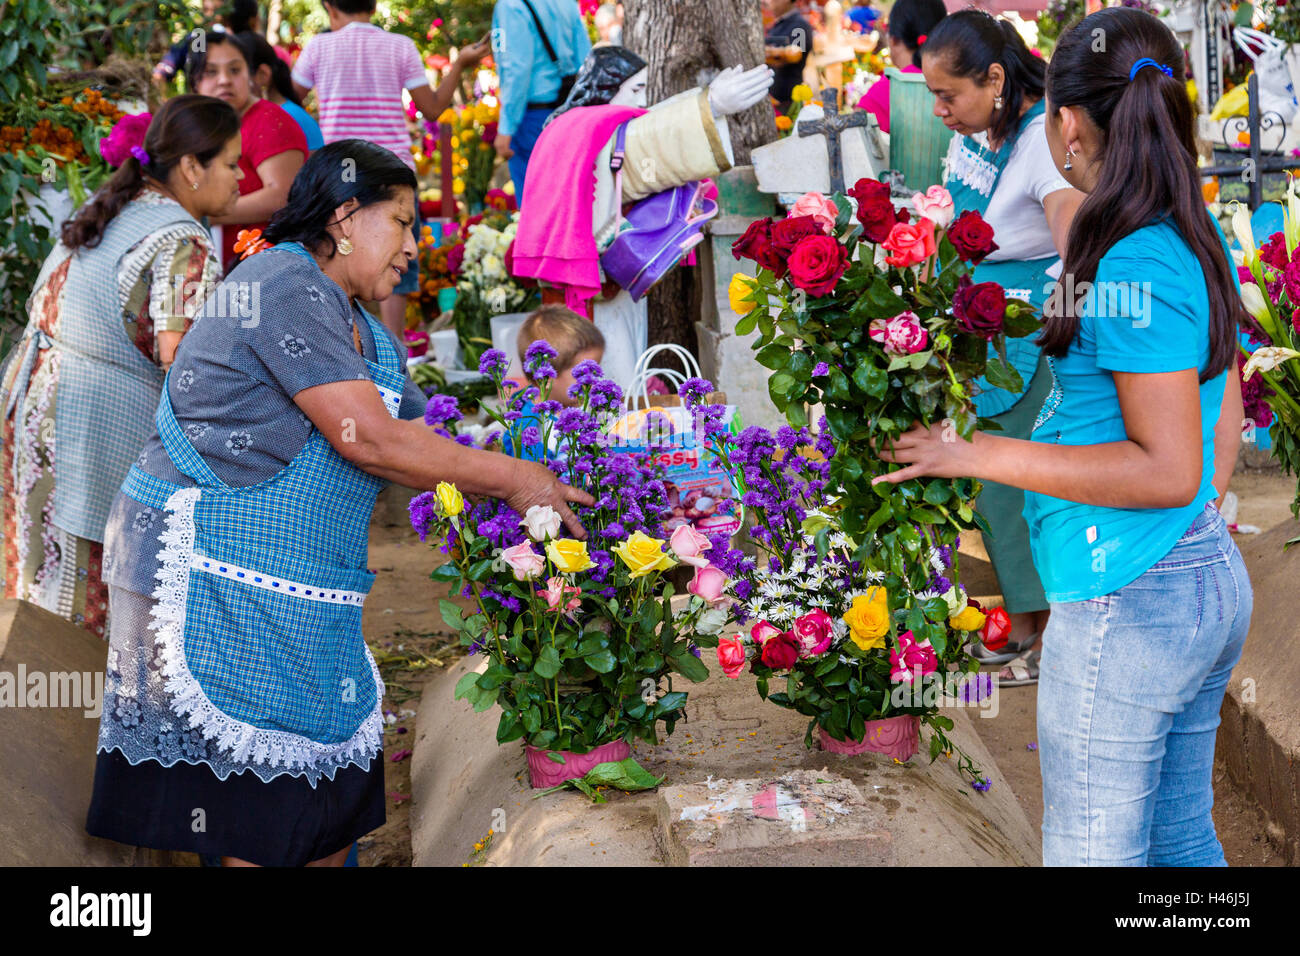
[533, 484]
[936, 452]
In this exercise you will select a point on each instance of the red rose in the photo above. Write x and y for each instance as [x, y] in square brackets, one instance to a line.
[782, 651]
[455, 255]
[876, 210]
[979, 307]
[971, 236]
[997, 629]
[817, 263]
[756, 244]
[787, 233]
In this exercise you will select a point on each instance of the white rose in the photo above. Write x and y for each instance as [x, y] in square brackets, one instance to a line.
[542, 522]
[711, 621]
[956, 599]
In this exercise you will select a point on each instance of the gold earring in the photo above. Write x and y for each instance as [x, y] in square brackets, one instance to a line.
[194, 185]
[345, 246]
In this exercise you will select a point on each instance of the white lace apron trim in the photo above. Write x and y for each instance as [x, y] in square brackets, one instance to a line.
[243, 742]
[968, 167]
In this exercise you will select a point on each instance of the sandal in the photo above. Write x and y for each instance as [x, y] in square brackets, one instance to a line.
[1012, 650]
[1022, 670]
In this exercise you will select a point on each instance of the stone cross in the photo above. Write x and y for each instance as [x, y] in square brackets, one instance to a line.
[832, 124]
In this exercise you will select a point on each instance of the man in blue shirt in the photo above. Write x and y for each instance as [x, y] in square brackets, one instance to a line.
[538, 46]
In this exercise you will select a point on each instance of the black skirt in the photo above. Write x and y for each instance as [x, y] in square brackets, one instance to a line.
[186, 807]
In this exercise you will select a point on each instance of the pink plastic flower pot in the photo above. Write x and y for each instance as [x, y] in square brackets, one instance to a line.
[897, 737]
[545, 772]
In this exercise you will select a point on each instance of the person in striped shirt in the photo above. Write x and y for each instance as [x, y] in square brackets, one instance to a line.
[359, 71]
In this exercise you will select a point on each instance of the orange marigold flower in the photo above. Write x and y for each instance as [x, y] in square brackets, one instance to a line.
[249, 242]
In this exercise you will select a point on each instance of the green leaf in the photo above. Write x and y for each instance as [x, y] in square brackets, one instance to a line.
[464, 685]
[602, 661]
[451, 614]
[673, 700]
[480, 570]
[446, 573]
[773, 356]
[688, 665]
[509, 728]
[1002, 375]
[548, 663]
[872, 379]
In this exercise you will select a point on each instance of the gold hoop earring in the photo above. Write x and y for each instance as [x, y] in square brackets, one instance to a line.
[345, 246]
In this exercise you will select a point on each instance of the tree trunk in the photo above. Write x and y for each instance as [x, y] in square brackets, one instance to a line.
[685, 43]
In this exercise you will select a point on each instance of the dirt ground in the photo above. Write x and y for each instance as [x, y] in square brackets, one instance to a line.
[407, 636]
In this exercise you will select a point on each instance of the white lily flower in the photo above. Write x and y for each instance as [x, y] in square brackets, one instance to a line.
[1266, 359]
[1245, 237]
[1253, 299]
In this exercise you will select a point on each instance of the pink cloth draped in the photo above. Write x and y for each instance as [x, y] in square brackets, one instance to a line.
[554, 241]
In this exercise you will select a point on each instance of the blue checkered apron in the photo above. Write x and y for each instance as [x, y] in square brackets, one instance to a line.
[108, 389]
[262, 588]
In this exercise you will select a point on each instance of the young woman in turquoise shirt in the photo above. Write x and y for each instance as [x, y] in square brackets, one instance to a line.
[1149, 596]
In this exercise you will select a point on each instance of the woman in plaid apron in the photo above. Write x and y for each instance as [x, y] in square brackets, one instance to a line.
[107, 312]
[242, 708]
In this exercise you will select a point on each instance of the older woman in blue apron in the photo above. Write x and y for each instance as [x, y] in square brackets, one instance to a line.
[989, 90]
[242, 708]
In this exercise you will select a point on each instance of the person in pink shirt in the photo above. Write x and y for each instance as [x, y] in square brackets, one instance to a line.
[910, 21]
[359, 71]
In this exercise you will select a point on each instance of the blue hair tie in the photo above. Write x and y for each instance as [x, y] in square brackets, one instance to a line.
[1147, 61]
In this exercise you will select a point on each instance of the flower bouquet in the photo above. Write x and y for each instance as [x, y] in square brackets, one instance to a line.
[485, 286]
[1270, 293]
[872, 314]
[581, 637]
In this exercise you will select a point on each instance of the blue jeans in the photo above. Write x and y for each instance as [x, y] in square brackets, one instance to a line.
[522, 142]
[1129, 690]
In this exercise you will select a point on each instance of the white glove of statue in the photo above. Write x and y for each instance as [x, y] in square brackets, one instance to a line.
[735, 90]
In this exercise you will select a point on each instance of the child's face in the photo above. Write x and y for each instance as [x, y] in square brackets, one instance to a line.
[564, 380]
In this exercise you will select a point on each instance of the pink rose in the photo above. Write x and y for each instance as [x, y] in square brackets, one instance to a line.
[687, 543]
[731, 655]
[523, 561]
[814, 631]
[911, 656]
[909, 243]
[935, 204]
[819, 207]
[709, 583]
[762, 632]
[901, 335]
[555, 593]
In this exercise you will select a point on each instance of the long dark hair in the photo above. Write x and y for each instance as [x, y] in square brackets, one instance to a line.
[339, 171]
[187, 125]
[264, 55]
[197, 58]
[971, 41]
[909, 20]
[1148, 169]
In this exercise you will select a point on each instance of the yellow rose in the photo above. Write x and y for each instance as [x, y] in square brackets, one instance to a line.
[801, 93]
[568, 555]
[877, 595]
[868, 620]
[447, 116]
[449, 499]
[738, 294]
[970, 619]
[643, 554]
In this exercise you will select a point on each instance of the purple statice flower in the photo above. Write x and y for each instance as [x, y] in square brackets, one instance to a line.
[743, 588]
[693, 648]
[693, 390]
[512, 415]
[537, 360]
[466, 440]
[572, 421]
[820, 369]
[1033, 745]
[976, 687]
[982, 784]
[441, 409]
[531, 435]
[467, 591]
[480, 643]
[587, 372]
[941, 584]
[606, 394]
[423, 509]
[787, 437]
[825, 446]
[548, 407]
[493, 364]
